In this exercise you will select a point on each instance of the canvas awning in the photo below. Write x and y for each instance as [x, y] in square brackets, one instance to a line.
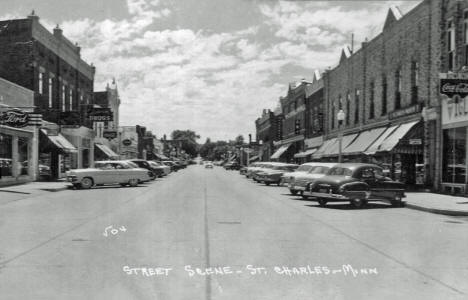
[280, 151]
[363, 141]
[391, 139]
[58, 142]
[106, 150]
[324, 148]
[375, 146]
[305, 153]
[161, 156]
[334, 149]
[254, 158]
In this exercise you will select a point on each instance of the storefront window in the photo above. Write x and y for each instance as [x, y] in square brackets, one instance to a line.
[6, 168]
[454, 158]
[23, 156]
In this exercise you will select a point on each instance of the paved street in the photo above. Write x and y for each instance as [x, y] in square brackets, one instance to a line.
[54, 246]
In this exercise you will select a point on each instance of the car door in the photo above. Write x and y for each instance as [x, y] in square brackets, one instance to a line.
[120, 174]
[104, 175]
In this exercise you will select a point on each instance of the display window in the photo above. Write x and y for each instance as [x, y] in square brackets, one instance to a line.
[6, 155]
[454, 158]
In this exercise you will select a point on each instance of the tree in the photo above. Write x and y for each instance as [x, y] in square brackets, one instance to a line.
[239, 140]
[188, 140]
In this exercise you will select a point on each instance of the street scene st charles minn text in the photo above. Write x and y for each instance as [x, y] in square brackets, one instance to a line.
[233, 149]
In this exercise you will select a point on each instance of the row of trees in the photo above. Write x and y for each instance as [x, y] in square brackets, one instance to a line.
[209, 150]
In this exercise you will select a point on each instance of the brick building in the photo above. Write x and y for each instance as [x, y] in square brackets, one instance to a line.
[293, 107]
[51, 66]
[267, 132]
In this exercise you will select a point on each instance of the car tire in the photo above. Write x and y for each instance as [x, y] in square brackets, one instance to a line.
[267, 183]
[293, 192]
[133, 182]
[322, 202]
[77, 186]
[358, 203]
[123, 184]
[87, 183]
[397, 203]
[281, 182]
[305, 197]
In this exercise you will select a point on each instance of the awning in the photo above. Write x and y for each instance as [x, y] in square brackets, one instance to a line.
[305, 153]
[334, 149]
[59, 142]
[375, 146]
[324, 148]
[106, 150]
[392, 140]
[280, 151]
[254, 158]
[160, 156]
[232, 157]
[363, 141]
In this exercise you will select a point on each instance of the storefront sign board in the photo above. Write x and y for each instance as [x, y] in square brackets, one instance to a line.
[404, 112]
[14, 118]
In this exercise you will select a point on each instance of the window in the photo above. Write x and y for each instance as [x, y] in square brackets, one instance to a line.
[348, 109]
[372, 100]
[451, 45]
[63, 97]
[50, 91]
[356, 107]
[71, 99]
[384, 96]
[414, 82]
[398, 89]
[41, 82]
[332, 117]
[6, 155]
[454, 158]
[340, 103]
[465, 35]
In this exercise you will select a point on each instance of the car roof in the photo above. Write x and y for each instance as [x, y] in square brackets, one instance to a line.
[321, 164]
[357, 165]
[110, 161]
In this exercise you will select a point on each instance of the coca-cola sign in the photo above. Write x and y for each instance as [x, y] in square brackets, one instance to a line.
[14, 118]
[452, 87]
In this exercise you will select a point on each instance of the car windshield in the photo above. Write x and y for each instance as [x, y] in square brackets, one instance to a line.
[304, 168]
[103, 166]
[131, 165]
[319, 170]
[340, 171]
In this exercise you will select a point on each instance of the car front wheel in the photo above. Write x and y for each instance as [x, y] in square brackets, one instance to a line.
[86, 183]
[358, 203]
[133, 182]
[322, 202]
[293, 192]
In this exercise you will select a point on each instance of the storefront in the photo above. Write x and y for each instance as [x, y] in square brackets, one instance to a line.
[454, 145]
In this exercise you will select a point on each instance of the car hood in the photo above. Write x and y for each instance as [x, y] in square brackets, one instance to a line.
[294, 174]
[272, 172]
[335, 180]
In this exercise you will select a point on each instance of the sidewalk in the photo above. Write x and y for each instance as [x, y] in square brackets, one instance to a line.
[30, 189]
[437, 203]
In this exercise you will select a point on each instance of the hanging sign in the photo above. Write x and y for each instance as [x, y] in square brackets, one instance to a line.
[99, 114]
[14, 118]
[454, 86]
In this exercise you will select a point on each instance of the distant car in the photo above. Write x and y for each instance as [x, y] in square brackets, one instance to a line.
[208, 165]
[232, 166]
[162, 169]
[274, 174]
[108, 172]
[141, 163]
[299, 182]
[302, 170]
[358, 184]
[243, 170]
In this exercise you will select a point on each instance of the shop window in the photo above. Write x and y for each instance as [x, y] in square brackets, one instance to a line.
[454, 159]
[6, 162]
[23, 155]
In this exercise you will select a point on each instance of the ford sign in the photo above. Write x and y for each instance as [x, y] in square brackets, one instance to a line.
[14, 118]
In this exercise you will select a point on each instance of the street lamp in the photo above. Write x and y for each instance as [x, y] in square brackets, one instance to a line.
[340, 116]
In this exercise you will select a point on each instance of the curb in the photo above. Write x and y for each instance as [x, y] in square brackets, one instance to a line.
[446, 212]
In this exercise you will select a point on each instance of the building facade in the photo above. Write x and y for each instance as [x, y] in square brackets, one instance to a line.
[266, 131]
[51, 66]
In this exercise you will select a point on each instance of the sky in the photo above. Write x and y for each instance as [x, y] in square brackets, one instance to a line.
[210, 66]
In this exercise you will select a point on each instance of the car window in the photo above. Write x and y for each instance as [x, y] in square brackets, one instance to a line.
[103, 166]
[130, 164]
[367, 173]
[340, 171]
[319, 170]
[118, 166]
[304, 168]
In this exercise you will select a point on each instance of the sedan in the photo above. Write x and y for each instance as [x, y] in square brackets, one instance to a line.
[358, 184]
[299, 182]
[108, 172]
[274, 174]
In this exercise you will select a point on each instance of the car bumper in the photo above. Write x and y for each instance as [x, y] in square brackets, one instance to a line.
[297, 187]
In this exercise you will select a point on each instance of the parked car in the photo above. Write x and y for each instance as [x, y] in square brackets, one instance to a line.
[233, 165]
[274, 174]
[264, 167]
[174, 167]
[208, 165]
[141, 163]
[299, 182]
[243, 170]
[163, 169]
[302, 170]
[358, 184]
[108, 172]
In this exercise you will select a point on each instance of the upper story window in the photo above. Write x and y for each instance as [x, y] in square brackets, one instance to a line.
[398, 89]
[356, 106]
[70, 99]
[63, 97]
[332, 117]
[340, 103]
[51, 86]
[414, 81]
[451, 45]
[348, 108]
[384, 96]
[465, 35]
[41, 83]
[372, 100]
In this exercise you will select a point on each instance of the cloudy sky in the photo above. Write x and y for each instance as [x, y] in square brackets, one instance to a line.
[206, 65]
